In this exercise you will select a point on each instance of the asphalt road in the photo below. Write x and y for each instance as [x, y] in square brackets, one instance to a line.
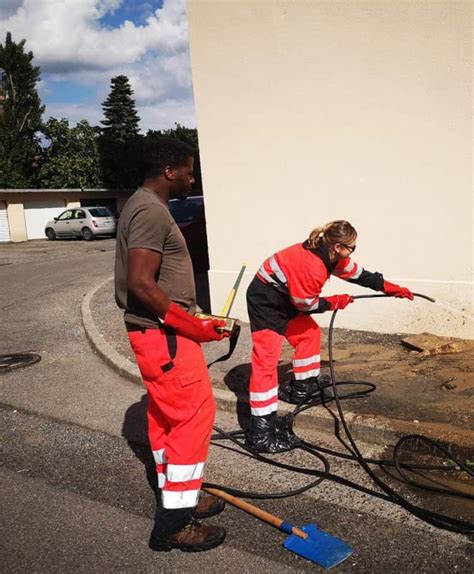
[74, 494]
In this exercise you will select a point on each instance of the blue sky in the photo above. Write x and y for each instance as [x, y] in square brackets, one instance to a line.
[81, 44]
[137, 12]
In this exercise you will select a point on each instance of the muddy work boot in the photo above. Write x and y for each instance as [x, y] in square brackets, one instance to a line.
[195, 537]
[208, 506]
[301, 392]
[268, 434]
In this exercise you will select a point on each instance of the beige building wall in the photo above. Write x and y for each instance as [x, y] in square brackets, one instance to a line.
[310, 111]
[16, 221]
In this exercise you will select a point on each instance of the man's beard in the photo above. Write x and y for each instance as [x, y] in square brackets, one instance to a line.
[182, 193]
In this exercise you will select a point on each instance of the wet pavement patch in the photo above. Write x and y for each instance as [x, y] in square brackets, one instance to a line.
[17, 361]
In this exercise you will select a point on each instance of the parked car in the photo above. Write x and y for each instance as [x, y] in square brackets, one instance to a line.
[190, 218]
[86, 222]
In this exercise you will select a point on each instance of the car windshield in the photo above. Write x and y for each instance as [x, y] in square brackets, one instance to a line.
[100, 212]
[185, 211]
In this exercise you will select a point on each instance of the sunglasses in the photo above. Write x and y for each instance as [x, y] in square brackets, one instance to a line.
[350, 248]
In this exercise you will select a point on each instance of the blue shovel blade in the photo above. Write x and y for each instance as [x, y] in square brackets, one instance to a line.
[320, 547]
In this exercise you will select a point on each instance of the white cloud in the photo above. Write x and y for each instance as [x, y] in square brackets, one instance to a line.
[9, 7]
[70, 44]
[74, 113]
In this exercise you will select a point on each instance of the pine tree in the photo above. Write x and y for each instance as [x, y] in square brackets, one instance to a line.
[20, 117]
[121, 117]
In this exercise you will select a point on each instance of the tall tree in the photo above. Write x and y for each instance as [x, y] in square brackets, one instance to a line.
[21, 112]
[120, 142]
[71, 157]
[121, 117]
[187, 135]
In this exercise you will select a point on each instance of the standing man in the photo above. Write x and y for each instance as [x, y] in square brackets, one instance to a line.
[154, 284]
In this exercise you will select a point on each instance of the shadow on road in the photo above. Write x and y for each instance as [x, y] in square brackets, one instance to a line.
[134, 431]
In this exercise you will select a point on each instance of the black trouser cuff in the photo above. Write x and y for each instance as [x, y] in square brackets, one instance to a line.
[171, 520]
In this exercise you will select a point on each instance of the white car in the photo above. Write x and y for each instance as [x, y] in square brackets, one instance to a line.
[86, 222]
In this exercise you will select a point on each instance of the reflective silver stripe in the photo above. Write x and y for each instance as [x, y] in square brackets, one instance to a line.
[161, 479]
[306, 362]
[313, 307]
[307, 374]
[264, 396]
[303, 301]
[180, 498]
[159, 456]
[347, 269]
[266, 276]
[276, 269]
[184, 472]
[357, 274]
[306, 304]
[262, 411]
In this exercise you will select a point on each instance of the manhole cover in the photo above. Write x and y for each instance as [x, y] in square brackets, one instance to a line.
[17, 360]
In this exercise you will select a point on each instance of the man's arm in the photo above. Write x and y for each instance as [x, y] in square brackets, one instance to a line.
[143, 266]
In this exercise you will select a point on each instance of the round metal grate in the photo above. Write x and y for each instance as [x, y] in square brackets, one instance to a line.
[17, 360]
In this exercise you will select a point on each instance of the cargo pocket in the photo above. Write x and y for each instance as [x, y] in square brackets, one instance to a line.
[189, 378]
[149, 356]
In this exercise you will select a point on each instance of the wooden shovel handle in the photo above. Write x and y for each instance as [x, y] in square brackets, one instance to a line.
[254, 510]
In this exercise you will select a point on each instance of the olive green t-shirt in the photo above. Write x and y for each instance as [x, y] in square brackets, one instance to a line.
[146, 223]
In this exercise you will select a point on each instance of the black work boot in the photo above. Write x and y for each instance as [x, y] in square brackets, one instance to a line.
[267, 435]
[208, 506]
[195, 537]
[300, 392]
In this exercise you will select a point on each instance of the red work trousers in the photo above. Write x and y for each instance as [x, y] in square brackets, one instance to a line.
[181, 411]
[304, 335]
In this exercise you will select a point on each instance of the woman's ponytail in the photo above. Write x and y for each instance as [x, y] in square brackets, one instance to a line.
[339, 231]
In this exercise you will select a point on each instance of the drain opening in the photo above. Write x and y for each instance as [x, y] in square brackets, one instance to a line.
[17, 361]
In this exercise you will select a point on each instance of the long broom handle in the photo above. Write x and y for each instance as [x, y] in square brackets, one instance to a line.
[230, 299]
[257, 512]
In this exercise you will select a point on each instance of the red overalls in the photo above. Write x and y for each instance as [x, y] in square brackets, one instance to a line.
[284, 291]
[181, 410]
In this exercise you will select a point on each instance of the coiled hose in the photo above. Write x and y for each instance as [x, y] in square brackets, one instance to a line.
[354, 454]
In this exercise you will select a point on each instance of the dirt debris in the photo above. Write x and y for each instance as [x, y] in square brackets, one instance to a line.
[427, 344]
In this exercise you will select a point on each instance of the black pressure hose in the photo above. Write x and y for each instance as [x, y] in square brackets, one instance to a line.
[388, 493]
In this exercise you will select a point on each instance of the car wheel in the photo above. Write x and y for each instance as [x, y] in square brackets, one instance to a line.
[87, 234]
[51, 234]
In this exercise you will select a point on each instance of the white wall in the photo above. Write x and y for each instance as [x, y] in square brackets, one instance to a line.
[310, 111]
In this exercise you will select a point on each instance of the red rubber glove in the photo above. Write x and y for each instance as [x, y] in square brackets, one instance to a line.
[397, 291]
[200, 330]
[339, 301]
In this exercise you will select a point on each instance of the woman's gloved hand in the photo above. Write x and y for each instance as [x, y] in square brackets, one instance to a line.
[200, 330]
[397, 291]
[339, 301]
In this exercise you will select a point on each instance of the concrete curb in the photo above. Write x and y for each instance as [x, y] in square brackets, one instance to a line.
[120, 364]
[368, 428]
